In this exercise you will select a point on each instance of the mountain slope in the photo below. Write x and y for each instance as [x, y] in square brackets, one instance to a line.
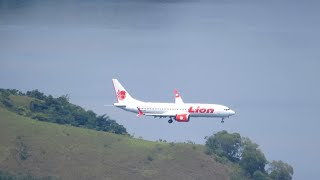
[65, 152]
[37, 105]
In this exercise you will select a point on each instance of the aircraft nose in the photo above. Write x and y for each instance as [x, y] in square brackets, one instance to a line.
[232, 112]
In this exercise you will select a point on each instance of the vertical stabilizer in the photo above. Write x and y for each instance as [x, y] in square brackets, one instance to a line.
[121, 94]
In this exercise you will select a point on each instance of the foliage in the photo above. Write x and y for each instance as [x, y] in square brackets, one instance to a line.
[258, 175]
[252, 159]
[59, 110]
[279, 170]
[238, 174]
[35, 94]
[225, 144]
[4, 98]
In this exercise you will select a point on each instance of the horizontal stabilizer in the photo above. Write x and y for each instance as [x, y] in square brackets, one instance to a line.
[119, 105]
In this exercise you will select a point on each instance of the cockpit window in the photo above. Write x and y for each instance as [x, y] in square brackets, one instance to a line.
[227, 109]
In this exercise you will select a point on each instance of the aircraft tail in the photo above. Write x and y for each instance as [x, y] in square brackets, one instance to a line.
[122, 95]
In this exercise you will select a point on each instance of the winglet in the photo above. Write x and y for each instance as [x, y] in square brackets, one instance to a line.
[140, 112]
[176, 93]
[178, 99]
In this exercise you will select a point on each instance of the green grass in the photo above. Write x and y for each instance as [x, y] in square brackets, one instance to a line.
[21, 101]
[66, 152]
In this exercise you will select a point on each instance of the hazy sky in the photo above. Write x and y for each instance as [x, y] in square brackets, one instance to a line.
[261, 58]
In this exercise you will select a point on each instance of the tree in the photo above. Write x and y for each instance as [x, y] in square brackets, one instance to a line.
[36, 94]
[7, 102]
[37, 106]
[10, 91]
[247, 154]
[279, 170]
[5, 99]
[64, 100]
[252, 159]
[225, 144]
[258, 175]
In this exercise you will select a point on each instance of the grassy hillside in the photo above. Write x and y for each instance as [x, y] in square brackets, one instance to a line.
[66, 152]
[37, 105]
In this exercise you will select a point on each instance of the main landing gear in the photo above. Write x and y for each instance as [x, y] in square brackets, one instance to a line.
[170, 121]
[222, 120]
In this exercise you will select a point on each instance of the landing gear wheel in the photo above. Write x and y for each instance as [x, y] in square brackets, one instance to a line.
[170, 121]
[222, 121]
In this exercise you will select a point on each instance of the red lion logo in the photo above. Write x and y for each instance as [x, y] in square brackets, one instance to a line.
[121, 95]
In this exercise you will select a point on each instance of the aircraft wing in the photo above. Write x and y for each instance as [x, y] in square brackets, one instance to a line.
[160, 115]
[178, 116]
[165, 114]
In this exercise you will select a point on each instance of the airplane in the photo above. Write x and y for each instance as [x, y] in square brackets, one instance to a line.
[178, 111]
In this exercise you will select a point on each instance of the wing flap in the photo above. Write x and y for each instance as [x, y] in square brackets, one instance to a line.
[160, 115]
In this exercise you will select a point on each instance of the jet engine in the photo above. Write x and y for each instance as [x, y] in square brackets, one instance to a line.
[182, 117]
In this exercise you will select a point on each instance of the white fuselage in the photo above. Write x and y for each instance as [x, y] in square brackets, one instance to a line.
[193, 109]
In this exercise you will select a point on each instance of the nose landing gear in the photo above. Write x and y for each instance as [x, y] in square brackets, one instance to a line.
[170, 121]
[222, 120]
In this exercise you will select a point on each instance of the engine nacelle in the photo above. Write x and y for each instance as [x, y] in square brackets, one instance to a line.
[182, 117]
